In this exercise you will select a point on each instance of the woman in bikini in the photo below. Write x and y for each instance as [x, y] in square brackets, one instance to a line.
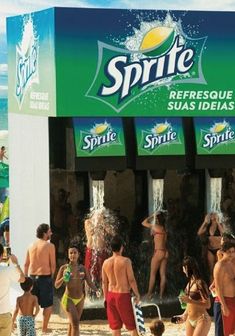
[196, 296]
[213, 229]
[156, 224]
[73, 276]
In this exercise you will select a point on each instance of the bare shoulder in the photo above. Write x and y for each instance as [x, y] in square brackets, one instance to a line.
[106, 265]
[219, 266]
[107, 261]
[35, 298]
[127, 260]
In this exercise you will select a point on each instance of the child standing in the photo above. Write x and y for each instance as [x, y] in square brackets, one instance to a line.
[27, 307]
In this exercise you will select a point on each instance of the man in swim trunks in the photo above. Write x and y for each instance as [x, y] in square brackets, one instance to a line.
[118, 280]
[40, 263]
[224, 275]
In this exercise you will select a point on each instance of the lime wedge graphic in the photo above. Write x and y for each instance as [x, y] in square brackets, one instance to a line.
[219, 128]
[101, 129]
[157, 41]
[161, 128]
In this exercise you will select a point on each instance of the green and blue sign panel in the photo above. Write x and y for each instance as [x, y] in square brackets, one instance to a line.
[99, 137]
[159, 136]
[215, 135]
[31, 64]
[120, 63]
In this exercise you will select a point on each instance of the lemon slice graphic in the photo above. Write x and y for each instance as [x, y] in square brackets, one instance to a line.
[161, 128]
[157, 41]
[100, 129]
[218, 128]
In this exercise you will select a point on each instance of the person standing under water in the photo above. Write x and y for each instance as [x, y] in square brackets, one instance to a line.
[98, 233]
[156, 224]
[117, 281]
[73, 276]
[213, 230]
[40, 263]
[197, 298]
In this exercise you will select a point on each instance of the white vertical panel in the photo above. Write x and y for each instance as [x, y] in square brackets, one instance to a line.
[29, 179]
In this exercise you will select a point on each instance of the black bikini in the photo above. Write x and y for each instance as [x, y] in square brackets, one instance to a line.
[216, 234]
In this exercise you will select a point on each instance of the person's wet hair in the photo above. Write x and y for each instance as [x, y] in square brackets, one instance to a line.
[192, 270]
[161, 217]
[41, 229]
[157, 327]
[27, 284]
[227, 245]
[191, 267]
[116, 243]
[74, 243]
[1, 249]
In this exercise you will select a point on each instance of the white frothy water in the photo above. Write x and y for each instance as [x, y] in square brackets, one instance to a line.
[158, 187]
[98, 194]
[104, 226]
[215, 194]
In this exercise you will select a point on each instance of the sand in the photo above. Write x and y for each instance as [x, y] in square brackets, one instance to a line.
[100, 328]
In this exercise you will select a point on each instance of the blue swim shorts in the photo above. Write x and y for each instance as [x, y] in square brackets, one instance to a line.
[43, 289]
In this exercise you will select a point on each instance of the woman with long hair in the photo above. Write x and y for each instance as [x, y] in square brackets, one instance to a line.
[73, 275]
[211, 231]
[197, 298]
[156, 224]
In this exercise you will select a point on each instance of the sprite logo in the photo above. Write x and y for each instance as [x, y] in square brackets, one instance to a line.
[99, 136]
[159, 55]
[219, 133]
[161, 134]
[26, 61]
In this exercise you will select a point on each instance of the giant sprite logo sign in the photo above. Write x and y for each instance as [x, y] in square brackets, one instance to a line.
[159, 54]
[26, 60]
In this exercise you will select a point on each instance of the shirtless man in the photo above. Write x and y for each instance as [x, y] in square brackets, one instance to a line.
[118, 279]
[40, 263]
[224, 275]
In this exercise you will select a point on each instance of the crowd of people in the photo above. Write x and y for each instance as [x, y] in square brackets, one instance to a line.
[114, 272]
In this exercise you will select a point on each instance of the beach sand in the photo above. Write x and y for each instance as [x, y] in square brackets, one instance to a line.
[100, 328]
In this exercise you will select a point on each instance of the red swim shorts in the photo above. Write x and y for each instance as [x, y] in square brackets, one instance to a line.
[229, 321]
[120, 311]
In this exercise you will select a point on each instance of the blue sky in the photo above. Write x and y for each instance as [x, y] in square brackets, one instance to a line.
[15, 7]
